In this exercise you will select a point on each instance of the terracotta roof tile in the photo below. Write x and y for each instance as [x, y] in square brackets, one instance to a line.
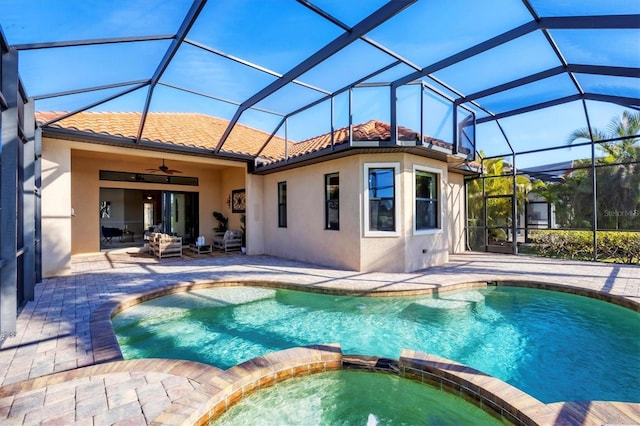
[372, 130]
[186, 129]
[203, 131]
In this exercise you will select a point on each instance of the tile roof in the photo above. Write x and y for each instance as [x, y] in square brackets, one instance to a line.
[184, 129]
[372, 130]
[203, 131]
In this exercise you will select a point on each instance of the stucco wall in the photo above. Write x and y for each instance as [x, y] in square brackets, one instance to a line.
[409, 250]
[457, 213]
[56, 208]
[425, 248]
[71, 183]
[255, 217]
[305, 238]
[230, 179]
[384, 253]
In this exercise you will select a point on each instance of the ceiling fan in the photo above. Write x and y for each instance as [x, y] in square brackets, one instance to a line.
[164, 169]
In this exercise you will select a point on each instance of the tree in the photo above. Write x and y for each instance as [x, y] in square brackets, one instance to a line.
[623, 151]
[498, 190]
[617, 179]
[618, 172]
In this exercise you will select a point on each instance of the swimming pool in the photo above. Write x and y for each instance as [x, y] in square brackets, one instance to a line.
[554, 346]
[353, 398]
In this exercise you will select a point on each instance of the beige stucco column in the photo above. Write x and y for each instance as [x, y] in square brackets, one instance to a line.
[255, 214]
[457, 213]
[56, 208]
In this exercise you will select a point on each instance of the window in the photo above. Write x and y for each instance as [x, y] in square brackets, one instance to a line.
[147, 178]
[282, 204]
[332, 201]
[380, 202]
[427, 209]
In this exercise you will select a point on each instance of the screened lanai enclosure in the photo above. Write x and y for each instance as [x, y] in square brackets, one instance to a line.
[539, 101]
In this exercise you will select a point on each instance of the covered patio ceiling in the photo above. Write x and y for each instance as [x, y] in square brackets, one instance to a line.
[529, 72]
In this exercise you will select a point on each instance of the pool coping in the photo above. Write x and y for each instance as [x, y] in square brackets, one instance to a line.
[222, 390]
[214, 391]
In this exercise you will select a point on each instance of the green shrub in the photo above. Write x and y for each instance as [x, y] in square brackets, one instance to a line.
[497, 234]
[476, 239]
[612, 246]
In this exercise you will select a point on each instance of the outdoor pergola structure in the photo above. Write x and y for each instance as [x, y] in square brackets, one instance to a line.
[471, 73]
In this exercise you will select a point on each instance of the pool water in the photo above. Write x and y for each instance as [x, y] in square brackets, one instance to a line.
[552, 345]
[353, 398]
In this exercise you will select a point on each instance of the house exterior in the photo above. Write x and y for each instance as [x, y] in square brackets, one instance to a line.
[357, 200]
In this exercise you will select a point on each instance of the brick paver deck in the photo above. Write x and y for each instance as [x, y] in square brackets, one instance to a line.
[51, 371]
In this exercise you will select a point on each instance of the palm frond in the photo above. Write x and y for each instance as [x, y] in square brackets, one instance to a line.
[583, 133]
[627, 125]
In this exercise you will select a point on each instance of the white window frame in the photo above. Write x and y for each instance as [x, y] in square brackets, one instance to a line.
[438, 173]
[396, 195]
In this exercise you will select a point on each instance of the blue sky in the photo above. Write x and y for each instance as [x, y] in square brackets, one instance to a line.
[278, 34]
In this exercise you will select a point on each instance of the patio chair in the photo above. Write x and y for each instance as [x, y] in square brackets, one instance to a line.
[231, 240]
[108, 234]
[164, 245]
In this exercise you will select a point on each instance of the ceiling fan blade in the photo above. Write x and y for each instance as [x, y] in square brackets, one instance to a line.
[164, 169]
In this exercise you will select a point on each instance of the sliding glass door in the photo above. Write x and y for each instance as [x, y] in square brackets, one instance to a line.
[180, 214]
[128, 216]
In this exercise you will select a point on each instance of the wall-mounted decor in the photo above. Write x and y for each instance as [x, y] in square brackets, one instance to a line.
[105, 209]
[238, 201]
